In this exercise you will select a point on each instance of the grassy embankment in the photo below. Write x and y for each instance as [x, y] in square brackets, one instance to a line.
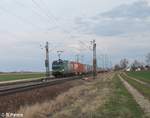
[19, 76]
[101, 98]
[145, 90]
[141, 75]
[121, 104]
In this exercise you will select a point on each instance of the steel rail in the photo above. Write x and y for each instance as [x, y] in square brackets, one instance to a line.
[11, 89]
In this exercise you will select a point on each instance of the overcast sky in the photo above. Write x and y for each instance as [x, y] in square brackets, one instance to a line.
[121, 29]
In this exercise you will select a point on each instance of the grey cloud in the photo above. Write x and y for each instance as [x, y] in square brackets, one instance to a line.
[138, 9]
[125, 26]
[121, 20]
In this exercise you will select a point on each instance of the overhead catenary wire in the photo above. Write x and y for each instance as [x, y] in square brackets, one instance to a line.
[5, 10]
[84, 45]
[35, 11]
[36, 4]
[45, 12]
[49, 14]
[22, 19]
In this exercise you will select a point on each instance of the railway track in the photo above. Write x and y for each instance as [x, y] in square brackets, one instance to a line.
[20, 87]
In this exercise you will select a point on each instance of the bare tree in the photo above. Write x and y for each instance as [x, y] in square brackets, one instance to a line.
[148, 59]
[124, 63]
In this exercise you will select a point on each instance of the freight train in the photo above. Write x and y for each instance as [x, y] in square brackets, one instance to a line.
[67, 68]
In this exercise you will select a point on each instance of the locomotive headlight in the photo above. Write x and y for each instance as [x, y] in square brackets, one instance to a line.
[63, 70]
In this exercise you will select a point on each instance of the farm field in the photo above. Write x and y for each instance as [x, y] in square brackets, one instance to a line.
[142, 75]
[19, 76]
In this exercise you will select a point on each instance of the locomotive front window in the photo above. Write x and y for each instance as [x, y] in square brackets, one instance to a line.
[60, 66]
[56, 67]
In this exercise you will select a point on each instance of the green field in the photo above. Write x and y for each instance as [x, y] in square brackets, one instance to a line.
[145, 90]
[142, 75]
[19, 76]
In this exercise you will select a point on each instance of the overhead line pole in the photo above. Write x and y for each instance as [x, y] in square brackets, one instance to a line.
[47, 60]
[77, 58]
[94, 60]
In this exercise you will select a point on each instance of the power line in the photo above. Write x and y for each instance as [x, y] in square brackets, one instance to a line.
[49, 14]
[19, 17]
[84, 45]
[34, 10]
[41, 9]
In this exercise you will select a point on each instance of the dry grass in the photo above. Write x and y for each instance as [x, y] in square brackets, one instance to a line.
[12, 103]
[79, 101]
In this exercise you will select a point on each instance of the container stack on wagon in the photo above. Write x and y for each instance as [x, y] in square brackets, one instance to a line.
[66, 68]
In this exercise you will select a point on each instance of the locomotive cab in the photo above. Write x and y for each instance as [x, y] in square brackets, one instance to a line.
[58, 67]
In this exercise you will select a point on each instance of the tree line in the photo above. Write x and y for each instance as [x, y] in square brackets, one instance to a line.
[134, 66]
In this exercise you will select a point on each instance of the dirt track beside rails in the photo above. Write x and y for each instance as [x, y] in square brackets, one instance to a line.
[139, 98]
[11, 103]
